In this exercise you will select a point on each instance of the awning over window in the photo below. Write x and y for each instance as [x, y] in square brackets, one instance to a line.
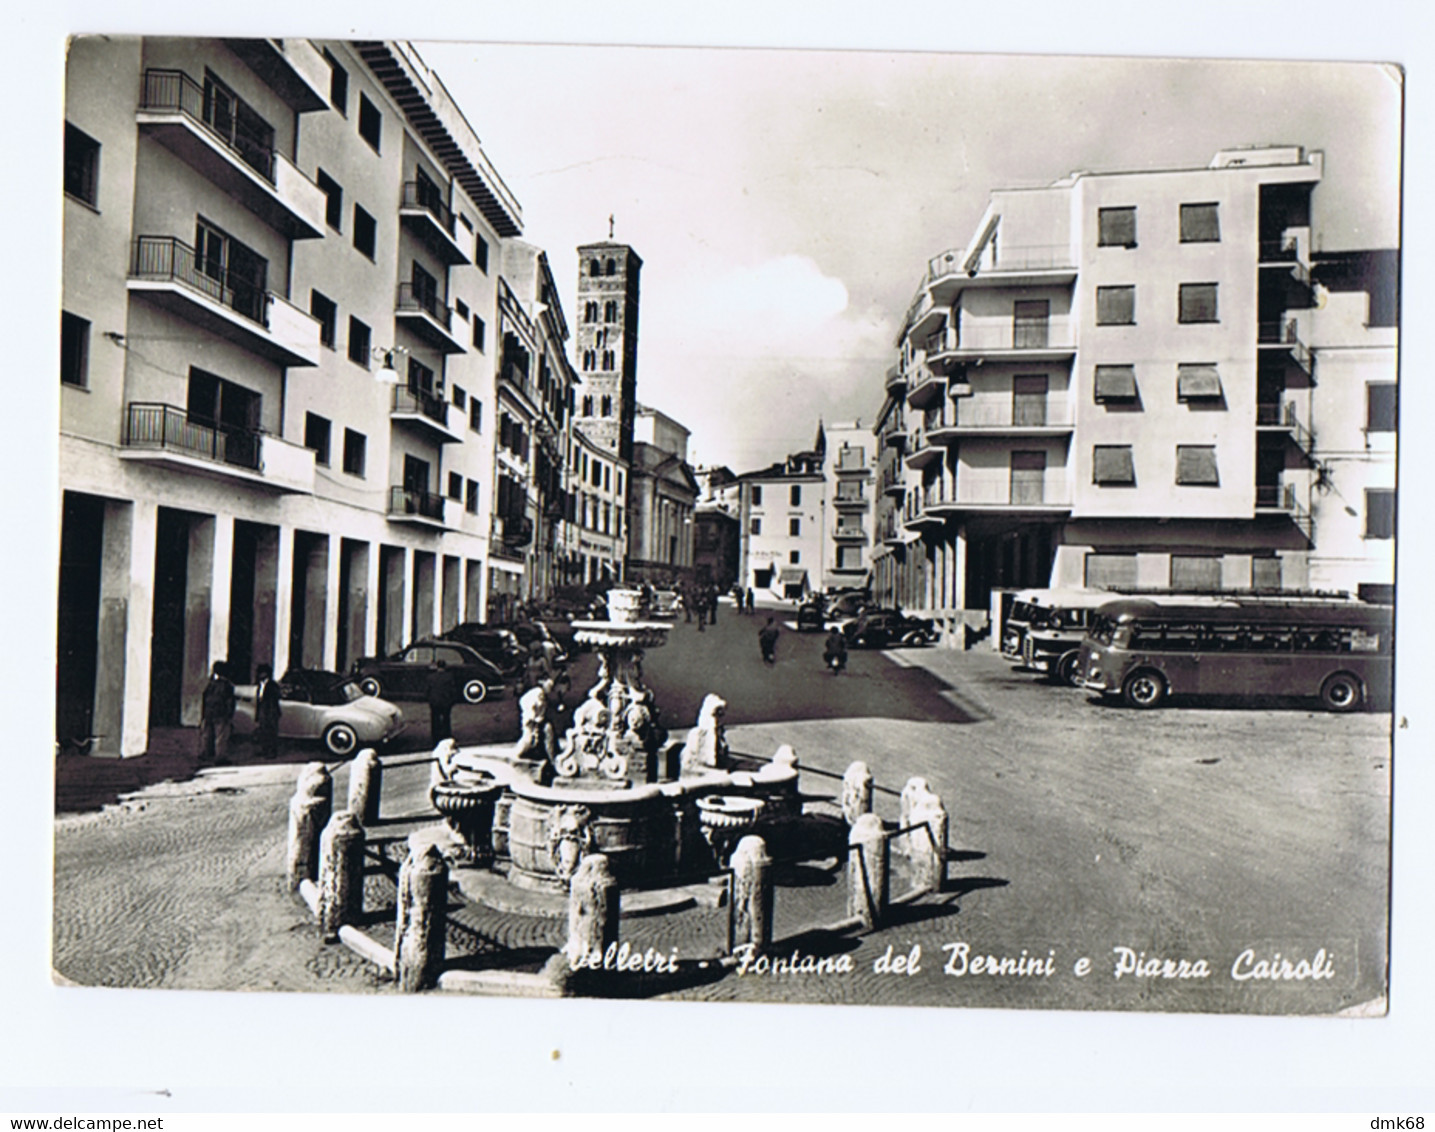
[1196, 381]
[791, 576]
[1115, 383]
[1114, 464]
[1196, 464]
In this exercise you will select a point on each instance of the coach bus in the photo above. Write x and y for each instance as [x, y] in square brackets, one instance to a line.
[1045, 628]
[1145, 649]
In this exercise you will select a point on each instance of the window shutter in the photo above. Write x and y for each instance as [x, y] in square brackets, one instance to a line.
[1197, 381]
[1115, 383]
[1116, 227]
[1113, 464]
[1196, 465]
[1110, 571]
[1200, 223]
[1115, 306]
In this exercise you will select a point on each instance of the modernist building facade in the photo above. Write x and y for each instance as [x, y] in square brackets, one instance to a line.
[1155, 379]
[313, 390]
[782, 514]
[847, 507]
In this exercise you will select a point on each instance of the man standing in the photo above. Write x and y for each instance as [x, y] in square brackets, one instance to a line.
[216, 717]
[266, 713]
[767, 641]
[441, 691]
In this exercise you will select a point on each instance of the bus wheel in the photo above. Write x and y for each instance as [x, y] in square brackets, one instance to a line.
[1067, 671]
[1144, 689]
[1341, 692]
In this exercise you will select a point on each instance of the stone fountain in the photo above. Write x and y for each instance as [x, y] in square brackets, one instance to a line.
[662, 809]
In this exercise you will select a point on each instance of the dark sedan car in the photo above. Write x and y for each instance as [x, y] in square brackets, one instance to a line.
[495, 644]
[880, 628]
[812, 614]
[404, 675]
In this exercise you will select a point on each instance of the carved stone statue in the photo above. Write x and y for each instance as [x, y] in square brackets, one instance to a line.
[706, 746]
[570, 836]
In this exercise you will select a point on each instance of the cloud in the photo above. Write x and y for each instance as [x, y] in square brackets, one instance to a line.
[789, 292]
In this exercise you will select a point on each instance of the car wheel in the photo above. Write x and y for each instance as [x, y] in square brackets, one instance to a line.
[915, 637]
[340, 739]
[370, 686]
[475, 691]
[1067, 670]
[1342, 692]
[1144, 689]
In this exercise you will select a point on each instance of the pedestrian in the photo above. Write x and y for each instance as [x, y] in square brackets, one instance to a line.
[700, 600]
[712, 604]
[767, 641]
[267, 710]
[750, 602]
[216, 716]
[441, 691]
[834, 652]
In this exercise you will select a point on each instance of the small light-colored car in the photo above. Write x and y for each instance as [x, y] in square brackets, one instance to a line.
[667, 603]
[327, 706]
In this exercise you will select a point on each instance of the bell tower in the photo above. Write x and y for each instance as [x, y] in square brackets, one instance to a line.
[607, 344]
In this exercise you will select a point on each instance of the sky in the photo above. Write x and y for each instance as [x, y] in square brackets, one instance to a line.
[785, 202]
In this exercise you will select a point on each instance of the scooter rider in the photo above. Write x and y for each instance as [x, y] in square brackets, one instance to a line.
[834, 652]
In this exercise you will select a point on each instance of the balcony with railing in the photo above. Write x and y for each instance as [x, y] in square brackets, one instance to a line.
[1048, 339]
[427, 315]
[924, 449]
[1006, 265]
[850, 532]
[425, 412]
[851, 462]
[1287, 254]
[169, 435]
[1280, 498]
[893, 481]
[894, 430]
[234, 148]
[1275, 416]
[168, 273]
[924, 387]
[850, 501]
[1283, 336]
[410, 505]
[424, 211]
[895, 379]
[1018, 416]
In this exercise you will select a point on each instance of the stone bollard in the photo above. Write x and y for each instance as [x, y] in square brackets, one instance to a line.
[867, 866]
[856, 793]
[928, 853]
[366, 780]
[750, 921]
[421, 923]
[593, 909]
[912, 793]
[309, 811]
[341, 874]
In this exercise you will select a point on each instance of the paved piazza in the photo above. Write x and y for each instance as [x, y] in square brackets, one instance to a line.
[1102, 858]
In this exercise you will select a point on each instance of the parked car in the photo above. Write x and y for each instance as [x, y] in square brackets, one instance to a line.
[848, 604]
[881, 628]
[327, 706]
[531, 633]
[667, 603]
[812, 614]
[404, 675]
[494, 643]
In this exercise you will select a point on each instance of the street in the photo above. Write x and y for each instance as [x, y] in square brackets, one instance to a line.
[1158, 847]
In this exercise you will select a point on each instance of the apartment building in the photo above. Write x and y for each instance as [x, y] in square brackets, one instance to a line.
[599, 493]
[847, 508]
[1144, 379]
[782, 514]
[717, 538]
[283, 321]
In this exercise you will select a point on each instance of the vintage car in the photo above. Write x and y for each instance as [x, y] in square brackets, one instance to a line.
[404, 675]
[667, 603]
[327, 706]
[883, 628]
[494, 643]
[812, 614]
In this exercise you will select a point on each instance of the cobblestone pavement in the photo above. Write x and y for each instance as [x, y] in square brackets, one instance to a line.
[1077, 829]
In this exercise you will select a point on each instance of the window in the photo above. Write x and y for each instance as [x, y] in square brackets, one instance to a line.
[757, 495]
[82, 165]
[1115, 306]
[755, 527]
[1113, 466]
[597, 474]
[455, 485]
[1198, 302]
[607, 478]
[74, 350]
[1380, 404]
[475, 415]
[355, 452]
[1200, 223]
[590, 312]
[794, 527]
[1195, 572]
[465, 221]
[239, 271]
[1028, 399]
[338, 85]
[371, 122]
[587, 404]
[1196, 465]
[1379, 513]
[316, 436]
[358, 342]
[595, 268]
[460, 397]
[849, 558]
[589, 359]
[608, 359]
[365, 232]
[1115, 383]
[794, 495]
[460, 308]
[794, 557]
[1266, 573]
[1030, 319]
[607, 406]
[470, 500]
[611, 267]
[479, 333]
[1110, 571]
[326, 311]
[480, 254]
[334, 200]
[610, 311]
[1116, 227]
[620, 483]
[1198, 383]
